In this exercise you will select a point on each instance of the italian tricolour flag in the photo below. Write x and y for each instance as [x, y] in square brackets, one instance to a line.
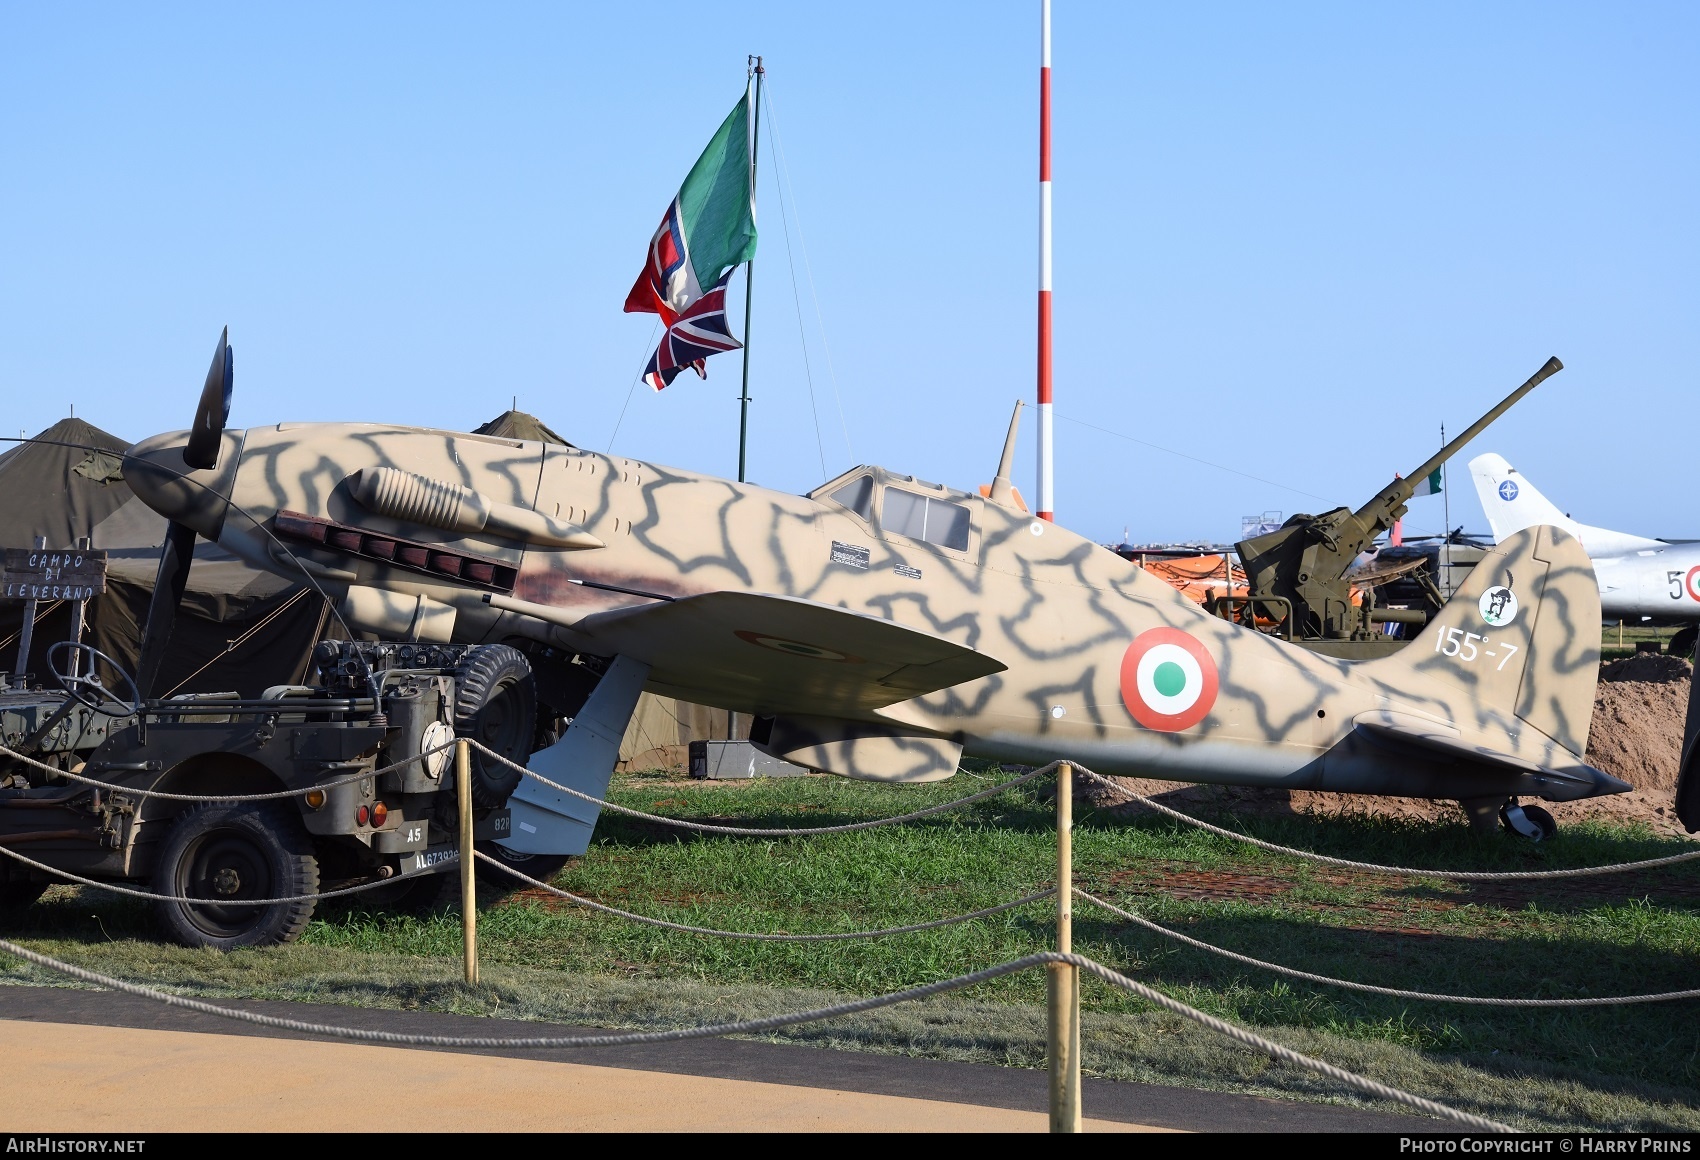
[1427, 485]
[709, 228]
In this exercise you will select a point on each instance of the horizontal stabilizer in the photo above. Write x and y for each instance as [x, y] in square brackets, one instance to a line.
[1437, 737]
[779, 654]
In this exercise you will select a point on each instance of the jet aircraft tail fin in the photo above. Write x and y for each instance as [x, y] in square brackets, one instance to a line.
[1522, 636]
[1511, 503]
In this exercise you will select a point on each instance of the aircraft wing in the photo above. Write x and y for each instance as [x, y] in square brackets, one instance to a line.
[1407, 729]
[782, 653]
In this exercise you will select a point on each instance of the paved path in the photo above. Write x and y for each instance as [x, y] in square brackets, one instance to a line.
[122, 1079]
[105, 1061]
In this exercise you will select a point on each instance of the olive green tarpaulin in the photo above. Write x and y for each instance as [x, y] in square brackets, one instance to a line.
[519, 425]
[239, 629]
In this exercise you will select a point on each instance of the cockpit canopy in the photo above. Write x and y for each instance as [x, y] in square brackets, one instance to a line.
[901, 505]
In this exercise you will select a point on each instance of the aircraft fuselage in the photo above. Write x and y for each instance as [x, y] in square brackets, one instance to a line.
[1104, 663]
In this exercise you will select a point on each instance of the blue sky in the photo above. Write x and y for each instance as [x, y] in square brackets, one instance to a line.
[1274, 225]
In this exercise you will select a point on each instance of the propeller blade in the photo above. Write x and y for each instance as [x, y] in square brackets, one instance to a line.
[202, 450]
[173, 576]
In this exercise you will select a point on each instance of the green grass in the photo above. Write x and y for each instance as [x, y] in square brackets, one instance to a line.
[1625, 1067]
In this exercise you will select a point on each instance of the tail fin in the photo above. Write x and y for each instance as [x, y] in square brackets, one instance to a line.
[1511, 503]
[1522, 636]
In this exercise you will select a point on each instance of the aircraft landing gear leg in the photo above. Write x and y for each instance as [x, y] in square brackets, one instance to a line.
[1532, 822]
[1483, 813]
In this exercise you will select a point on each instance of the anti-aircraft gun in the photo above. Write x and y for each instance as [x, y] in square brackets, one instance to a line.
[1298, 575]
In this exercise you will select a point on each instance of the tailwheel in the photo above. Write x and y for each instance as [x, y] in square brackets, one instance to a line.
[1532, 822]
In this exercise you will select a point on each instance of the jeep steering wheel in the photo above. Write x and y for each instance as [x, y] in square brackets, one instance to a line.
[88, 691]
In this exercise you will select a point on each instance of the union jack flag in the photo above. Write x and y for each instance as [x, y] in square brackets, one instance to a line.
[667, 285]
[699, 331]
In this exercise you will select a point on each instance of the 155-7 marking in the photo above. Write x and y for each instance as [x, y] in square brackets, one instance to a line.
[1455, 642]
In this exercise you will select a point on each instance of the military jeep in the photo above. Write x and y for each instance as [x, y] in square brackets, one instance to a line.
[368, 743]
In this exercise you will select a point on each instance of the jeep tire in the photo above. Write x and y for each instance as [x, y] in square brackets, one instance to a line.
[236, 850]
[495, 705]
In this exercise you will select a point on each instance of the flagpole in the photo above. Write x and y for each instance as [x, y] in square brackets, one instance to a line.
[1046, 503]
[1446, 518]
[749, 283]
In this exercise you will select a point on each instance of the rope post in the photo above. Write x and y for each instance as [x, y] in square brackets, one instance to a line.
[1063, 979]
[468, 886]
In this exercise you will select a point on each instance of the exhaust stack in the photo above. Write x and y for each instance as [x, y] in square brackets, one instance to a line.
[416, 499]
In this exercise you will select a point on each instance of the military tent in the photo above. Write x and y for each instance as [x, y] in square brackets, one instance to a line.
[238, 629]
[519, 425]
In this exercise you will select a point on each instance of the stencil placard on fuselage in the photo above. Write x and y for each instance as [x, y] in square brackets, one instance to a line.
[851, 555]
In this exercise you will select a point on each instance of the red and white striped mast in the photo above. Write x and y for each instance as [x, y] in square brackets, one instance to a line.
[1046, 503]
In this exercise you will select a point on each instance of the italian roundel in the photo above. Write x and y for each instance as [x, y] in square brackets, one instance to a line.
[1168, 680]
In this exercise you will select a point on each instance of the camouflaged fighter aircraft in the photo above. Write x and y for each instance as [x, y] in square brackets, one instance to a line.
[878, 627]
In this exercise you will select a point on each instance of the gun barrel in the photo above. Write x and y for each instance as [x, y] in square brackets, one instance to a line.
[1552, 367]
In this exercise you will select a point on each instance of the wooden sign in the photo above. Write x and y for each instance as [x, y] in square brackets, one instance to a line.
[53, 574]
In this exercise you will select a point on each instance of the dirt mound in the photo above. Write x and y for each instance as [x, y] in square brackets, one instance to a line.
[1639, 709]
[1648, 668]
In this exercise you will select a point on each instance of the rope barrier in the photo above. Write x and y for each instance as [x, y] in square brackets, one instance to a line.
[774, 1022]
[738, 831]
[1067, 962]
[626, 914]
[758, 832]
[1396, 993]
[1272, 1049]
[1406, 871]
[799, 832]
[952, 920]
[151, 896]
[750, 831]
[227, 797]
